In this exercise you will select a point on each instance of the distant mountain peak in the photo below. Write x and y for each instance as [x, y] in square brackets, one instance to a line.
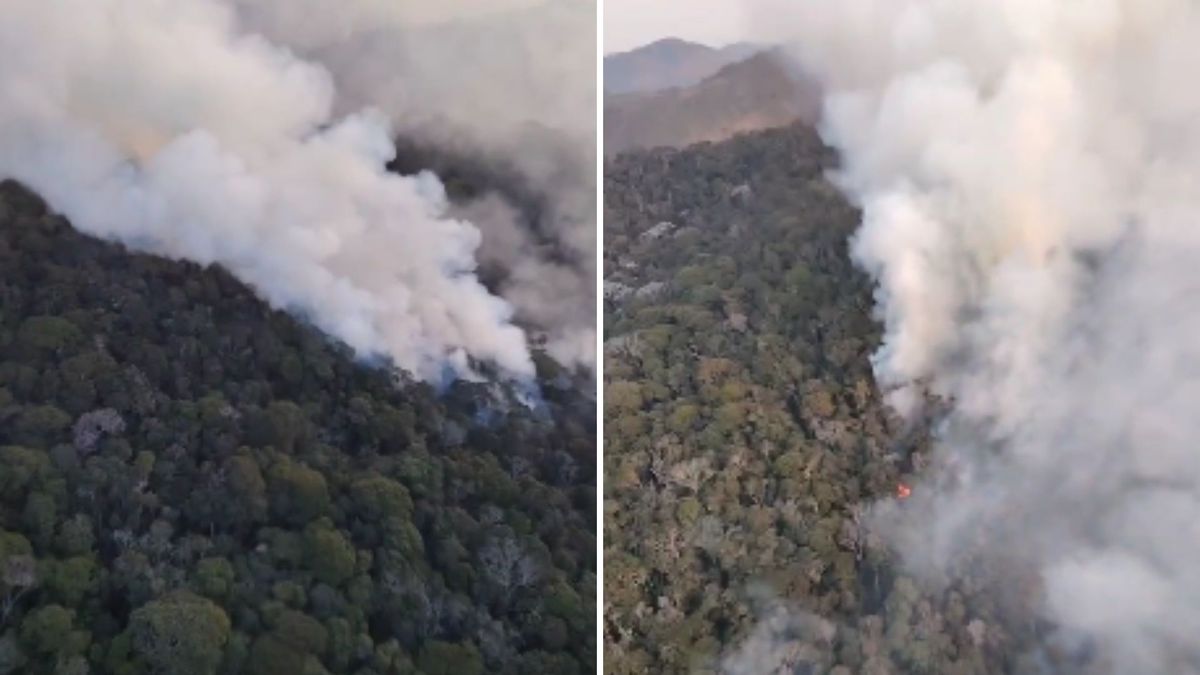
[667, 63]
[671, 42]
[757, 92]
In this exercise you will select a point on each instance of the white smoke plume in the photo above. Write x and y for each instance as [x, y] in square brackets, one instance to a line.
[183, 129]
[785, 640]
[510, 79]
[1029, 175]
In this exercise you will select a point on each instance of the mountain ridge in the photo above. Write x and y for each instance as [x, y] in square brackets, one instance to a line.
[759, 92]
[669, 62]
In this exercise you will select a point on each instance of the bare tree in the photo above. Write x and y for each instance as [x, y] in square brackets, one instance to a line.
[92, 426]
[507, 563]
[19, 575]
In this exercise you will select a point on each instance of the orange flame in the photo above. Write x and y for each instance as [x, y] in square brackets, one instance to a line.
[903, 491]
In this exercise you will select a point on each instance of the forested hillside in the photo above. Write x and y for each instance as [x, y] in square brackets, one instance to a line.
[745, 435]
[192, 483]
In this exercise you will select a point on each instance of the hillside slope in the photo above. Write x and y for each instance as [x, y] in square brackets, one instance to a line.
[668, 63]
[193, 483]
[745, 437]
[757, 93]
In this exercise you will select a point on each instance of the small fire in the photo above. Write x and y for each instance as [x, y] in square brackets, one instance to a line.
[903, 491]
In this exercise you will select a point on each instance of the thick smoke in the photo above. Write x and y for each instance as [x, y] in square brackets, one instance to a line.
[185, 129]
[1029, 174]
[513, 80]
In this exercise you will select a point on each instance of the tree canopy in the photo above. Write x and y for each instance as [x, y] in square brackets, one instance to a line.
[194, 483]
[744, 433]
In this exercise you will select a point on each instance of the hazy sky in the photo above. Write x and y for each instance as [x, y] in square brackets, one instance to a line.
[633, 23]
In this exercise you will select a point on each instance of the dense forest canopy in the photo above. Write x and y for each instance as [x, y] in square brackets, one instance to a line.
[193, 483]
[745, 435]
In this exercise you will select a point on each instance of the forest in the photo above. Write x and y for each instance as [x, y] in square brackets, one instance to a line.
[745, 435]
[193, 483]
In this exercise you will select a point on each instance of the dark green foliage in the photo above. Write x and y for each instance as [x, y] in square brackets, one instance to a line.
[47, 334]
[69, 580]
[46, 629]
[180, 633]
[378, 497]
[191, 482]
[298, 493]
[272, 656]
[215, 577]
[329, 554]
[301, 632]
[443, 658]
[40, 425]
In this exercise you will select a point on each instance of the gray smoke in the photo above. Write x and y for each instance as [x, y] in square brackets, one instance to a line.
[190, 130]
[513, 79]
[785, 640]
[1029, 174]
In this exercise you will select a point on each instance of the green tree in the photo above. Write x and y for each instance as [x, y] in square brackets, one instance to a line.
[20, 467]
[40, 426]
[70, 581]
[330, 556]
[47, 629]
[75, 536]
[180, 633]
[247, 493]
[379, 497]
[47, 334]
[215, 577]
[302, 632]
[40, 517]
[298, 493]
[272, 656]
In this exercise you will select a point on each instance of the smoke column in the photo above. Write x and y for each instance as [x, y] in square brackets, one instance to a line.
[512, 80]
[1029, 176]
[183, 129]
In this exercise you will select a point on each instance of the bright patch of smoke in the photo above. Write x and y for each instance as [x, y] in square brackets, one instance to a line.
[176, 128]
[1029, 173]
[785, 640]
[510, 79]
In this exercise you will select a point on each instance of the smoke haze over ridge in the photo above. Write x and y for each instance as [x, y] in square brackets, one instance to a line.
[201, 130]
[510, 79]
[1028, 178]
